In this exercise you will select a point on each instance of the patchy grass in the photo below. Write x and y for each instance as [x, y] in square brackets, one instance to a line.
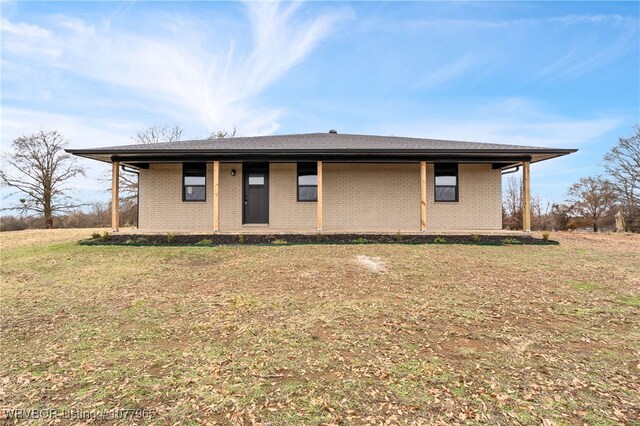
[580, 285]
[306, 334]
[629, 300]
[511, 241]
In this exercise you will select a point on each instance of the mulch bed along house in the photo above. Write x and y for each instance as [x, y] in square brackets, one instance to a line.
[284, 239]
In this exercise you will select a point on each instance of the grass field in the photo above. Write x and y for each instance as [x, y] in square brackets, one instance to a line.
[346, 334]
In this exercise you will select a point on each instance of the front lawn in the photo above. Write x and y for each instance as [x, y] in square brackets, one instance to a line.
[320, 334]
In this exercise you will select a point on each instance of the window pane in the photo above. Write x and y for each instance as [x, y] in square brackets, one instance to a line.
[446, 180]
[256, 179]
[194, 193]
[307, 169]
[308, 180]
[445, 169]
[195, 180]
[194, 169]
[445, 193]
[308, 193]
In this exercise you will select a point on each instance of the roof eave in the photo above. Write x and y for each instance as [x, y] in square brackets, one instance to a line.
[165, 156]
[321, 151]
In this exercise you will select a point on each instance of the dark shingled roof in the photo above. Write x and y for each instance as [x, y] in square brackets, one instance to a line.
[320, 141]
[318, 146]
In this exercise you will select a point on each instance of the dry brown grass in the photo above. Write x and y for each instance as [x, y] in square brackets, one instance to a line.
[306, 334]
[37, 237]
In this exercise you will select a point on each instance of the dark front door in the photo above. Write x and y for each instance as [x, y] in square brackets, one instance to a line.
[256, 193]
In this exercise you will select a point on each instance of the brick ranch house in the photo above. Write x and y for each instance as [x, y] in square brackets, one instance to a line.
[325, 182]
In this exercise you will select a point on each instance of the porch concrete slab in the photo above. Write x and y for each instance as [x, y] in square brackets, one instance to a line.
[271, 231]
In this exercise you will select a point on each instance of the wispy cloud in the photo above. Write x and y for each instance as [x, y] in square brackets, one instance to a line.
[31, 40]
[593, 19]
[448, 72]
[178, 69]
[86, 133]
[22, 29]
[520, 22]
[588, 42]
[583, 57]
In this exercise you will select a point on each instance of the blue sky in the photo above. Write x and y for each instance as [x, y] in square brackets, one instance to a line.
[544, 73]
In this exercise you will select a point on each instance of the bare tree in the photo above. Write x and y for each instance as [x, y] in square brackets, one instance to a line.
[540, 213]
[221, 134]
[101, 213]
[512, 203]
[38, 168]
[592, 198]
[157, 134]
[622, 164]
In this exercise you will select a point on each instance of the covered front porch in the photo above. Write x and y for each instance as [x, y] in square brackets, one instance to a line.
[388, 197]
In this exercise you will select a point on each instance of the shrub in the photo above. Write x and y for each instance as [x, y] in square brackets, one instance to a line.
[204, 242]
[360, 240]
[319, 237]
[171, 238]
[545, 237]
[510, 241]
[439, 240]
[141, 240]
[105, 235]
[475, 238]
[241, 239]
[399, 236]
[278, 242]
[95, 235]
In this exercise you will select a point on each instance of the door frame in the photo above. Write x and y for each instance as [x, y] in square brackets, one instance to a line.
[248, 168]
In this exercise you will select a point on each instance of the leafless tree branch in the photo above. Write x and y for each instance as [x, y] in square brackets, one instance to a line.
[37, 167]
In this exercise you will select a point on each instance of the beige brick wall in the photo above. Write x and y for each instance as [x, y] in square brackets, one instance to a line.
[362, 196]
[161, 205]
[230, 196]
[480, 200]
[365, 197]
[284, 209]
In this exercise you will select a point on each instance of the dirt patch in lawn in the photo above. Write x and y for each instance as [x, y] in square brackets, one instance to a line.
[373, 264]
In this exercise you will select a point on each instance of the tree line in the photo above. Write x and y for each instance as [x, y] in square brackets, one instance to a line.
[606, 201]
[38, 170]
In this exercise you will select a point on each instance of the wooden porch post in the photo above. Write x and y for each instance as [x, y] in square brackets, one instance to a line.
[216, 196]
[423, 195]
[526, 196]
[115, 196]
[319, 206]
